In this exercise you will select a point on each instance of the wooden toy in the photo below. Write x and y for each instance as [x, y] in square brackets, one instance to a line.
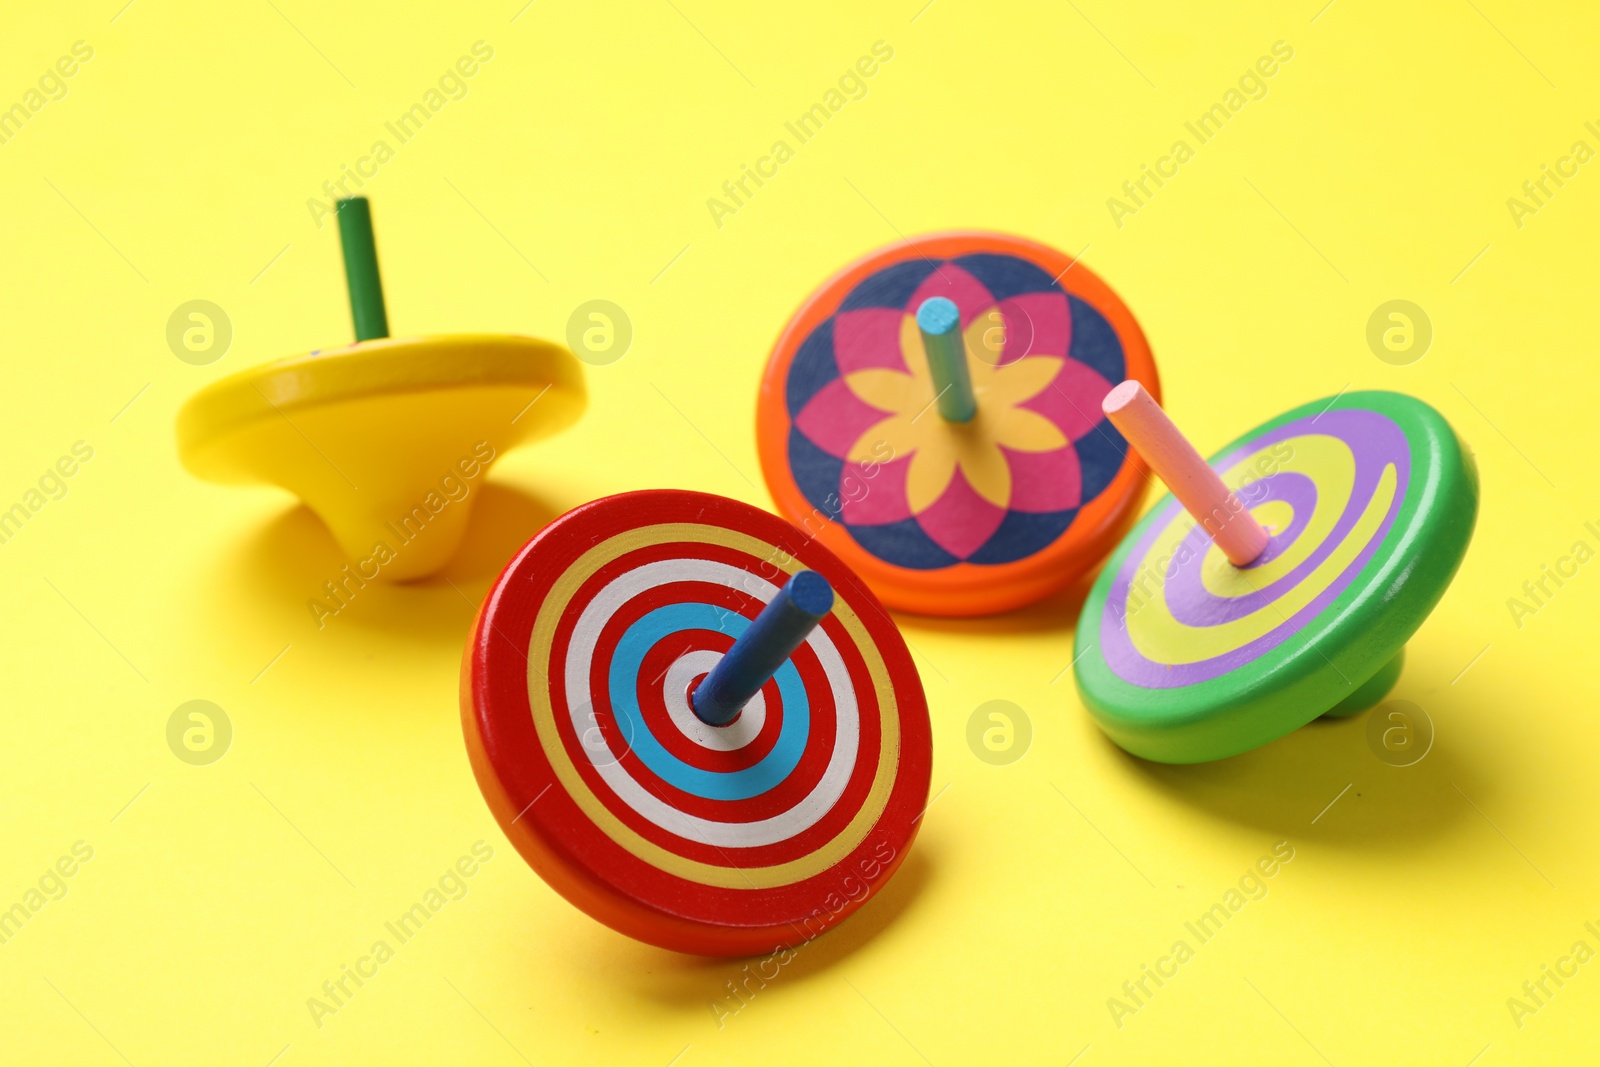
[385, 439]
[932, 414]
[1344, 521]
[594, 672]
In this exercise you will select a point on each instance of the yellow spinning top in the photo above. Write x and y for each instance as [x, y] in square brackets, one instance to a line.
[385, 439]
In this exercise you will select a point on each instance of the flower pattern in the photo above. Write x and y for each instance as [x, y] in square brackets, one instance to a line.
[868, 447]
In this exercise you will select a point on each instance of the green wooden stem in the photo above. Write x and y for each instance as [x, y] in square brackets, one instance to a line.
[940, 323]
[361, 269]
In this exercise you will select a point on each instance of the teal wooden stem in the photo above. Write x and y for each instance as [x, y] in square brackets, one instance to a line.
[766, 645]
[940, 322]
[361, 269]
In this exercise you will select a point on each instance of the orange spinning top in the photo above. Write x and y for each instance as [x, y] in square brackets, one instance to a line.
[932, 414]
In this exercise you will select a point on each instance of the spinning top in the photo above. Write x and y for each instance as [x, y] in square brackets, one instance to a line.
[1280, 581]
[385, 439]
[932, 414]
[695, 723]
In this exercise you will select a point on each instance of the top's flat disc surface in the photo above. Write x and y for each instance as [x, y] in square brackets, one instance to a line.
[713, 840]
[213, 423]
[944, 518]
[1370, 500]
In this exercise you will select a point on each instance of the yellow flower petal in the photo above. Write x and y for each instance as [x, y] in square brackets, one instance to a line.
[897, 431]
[928, 475]
[1019, 381]
[1028, 431]
[891, 390]
[971, 447]
[985, 467]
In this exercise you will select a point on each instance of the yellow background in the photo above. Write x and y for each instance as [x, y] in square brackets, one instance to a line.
[578, 167]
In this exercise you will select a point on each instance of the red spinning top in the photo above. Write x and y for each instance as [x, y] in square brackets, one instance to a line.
[577, 701]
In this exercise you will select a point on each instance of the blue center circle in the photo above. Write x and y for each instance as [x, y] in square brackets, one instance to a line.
[624, 679]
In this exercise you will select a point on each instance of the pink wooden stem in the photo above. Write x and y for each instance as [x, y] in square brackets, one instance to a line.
[1186, 473]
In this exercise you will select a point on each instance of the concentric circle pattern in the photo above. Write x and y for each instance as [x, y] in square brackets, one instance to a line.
[709, 839]
[1369, 500]
[956, 518]
[1179, 613]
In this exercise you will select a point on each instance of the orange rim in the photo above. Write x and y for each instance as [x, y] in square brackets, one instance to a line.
[962, 587]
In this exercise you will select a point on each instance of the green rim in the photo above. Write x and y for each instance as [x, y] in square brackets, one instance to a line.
[1338, 650]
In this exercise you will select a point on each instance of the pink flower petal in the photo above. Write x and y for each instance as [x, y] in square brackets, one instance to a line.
[956, 284]
[1036, 324]
[872, 499]
[1045, 481]
[868, 338]
[1072, 399]
[836, 418]
[960, 521]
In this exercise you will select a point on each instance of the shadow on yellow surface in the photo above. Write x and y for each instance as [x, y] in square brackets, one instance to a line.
[1292, 787]
[504, 520]
[292, 567]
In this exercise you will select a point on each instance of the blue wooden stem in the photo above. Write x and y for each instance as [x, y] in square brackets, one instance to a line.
[781, 627]
[940, 322]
